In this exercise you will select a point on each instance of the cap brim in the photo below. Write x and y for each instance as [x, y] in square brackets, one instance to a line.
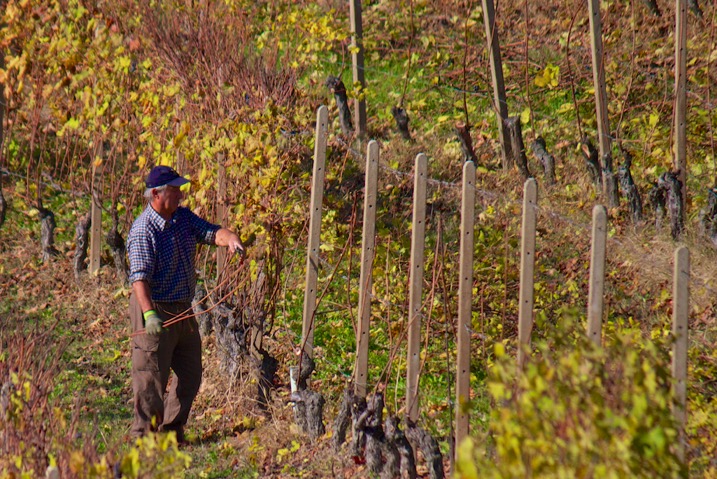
[178, 182]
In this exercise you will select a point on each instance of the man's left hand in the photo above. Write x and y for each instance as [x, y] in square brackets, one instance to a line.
[235, 245]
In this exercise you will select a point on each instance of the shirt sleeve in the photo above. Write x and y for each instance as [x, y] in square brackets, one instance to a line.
[141, 252]
[204, 231]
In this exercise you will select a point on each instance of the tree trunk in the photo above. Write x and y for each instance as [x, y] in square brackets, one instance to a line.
[309, 405]
[517, 146]
[265, 373]
[652, 6]
[591, 154]
[629, 188]
[358, 442]
[397, 437]
[658, 201]
[199, 307]
[47, 235]
[82, 242]
[695, 7]
[338, 88]
[420, 439]
[545, 158]
[670, 182]
[117, 247]
[464, 135]
[611, 187]
[343, 418]
[3, 204]
[401, 117]
[708, 217]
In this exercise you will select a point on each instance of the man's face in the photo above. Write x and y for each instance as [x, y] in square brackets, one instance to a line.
[167, 201]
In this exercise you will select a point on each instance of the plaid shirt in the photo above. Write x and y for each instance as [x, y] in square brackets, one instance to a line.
[162, 252]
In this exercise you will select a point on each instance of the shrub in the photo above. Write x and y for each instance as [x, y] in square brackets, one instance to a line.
[578, 410]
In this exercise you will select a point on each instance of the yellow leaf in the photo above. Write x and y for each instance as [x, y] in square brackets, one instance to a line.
[525, 116]
[465, 464]
[654, 118]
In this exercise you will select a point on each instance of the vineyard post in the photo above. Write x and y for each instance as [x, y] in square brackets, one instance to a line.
[368, 243]
[465, 288]
[221, 212]
[680, 314]
[181, 159]
[597, 274]
[418, 234]
[359, 78]
[496, 69]
[680, 121]
[603, 124]
[96, 212]
[312, 250]
[527, 266]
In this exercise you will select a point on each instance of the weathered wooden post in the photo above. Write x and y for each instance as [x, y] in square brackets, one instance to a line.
[603, 124]
[368, 251]
[597, 274]
[418, 235]
[357, 54]
[680, 314]
[465, 300]
[96, 212]
[221, 213]
[527, 266]
[680, 119]
[312, 249]
[496, 70]
[3, 203]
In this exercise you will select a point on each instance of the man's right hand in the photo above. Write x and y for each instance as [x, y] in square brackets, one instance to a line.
[152, 322]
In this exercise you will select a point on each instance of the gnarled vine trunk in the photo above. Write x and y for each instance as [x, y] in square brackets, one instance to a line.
[463, 131]
[629, 188]
[47, 233]
[82, 242]
[338, 88]
[590, 154]
[117, 247]
[546, 159]
[401, 117]
[517, 146]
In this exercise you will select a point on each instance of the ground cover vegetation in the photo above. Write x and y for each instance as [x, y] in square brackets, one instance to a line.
[96, 93]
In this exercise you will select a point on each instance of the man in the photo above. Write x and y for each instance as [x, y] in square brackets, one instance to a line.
[161, 247]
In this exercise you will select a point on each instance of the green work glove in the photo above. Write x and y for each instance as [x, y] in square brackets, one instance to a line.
[152, 322]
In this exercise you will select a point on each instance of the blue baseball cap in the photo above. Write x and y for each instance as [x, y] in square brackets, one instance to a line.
[164, 175]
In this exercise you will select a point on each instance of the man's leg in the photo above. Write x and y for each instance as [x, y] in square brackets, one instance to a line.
[187, 367]
[151, 358]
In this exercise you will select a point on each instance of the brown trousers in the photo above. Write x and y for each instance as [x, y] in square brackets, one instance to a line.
[178, 347]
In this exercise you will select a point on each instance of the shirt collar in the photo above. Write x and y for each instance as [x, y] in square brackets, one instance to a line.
[156, 218]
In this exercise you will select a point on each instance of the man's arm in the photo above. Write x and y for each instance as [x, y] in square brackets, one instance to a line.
[229, 239]
[144, 297]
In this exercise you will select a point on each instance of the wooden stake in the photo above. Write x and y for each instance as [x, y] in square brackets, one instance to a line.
[312, 249]
[368, 252]
[465, 300]
[680, 120]
[527, 266]
[600, 91]
[496, 70]
[597, 274]
[357, 53]
[418, 236]
[221, 212]
[680, 315]
[96, 215]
